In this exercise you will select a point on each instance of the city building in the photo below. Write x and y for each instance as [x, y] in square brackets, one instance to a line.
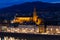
[34, 19]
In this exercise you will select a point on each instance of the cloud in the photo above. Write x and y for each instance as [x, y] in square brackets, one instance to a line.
[56, 2]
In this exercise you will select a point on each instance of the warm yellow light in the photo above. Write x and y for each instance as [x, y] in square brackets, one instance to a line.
[27, 19]
[38, 21]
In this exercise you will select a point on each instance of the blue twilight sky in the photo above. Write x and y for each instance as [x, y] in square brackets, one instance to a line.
[6, 3]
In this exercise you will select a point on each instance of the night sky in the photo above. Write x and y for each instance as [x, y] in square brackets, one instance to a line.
[6, 3]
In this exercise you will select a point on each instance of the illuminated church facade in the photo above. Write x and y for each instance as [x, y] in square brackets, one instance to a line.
[35, 19]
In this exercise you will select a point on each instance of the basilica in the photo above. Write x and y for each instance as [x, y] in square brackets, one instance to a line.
[34, 19]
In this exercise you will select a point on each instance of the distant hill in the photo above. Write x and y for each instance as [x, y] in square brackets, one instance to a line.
[46, 11]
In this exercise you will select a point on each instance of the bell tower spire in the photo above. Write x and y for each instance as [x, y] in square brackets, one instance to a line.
[35, 15]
